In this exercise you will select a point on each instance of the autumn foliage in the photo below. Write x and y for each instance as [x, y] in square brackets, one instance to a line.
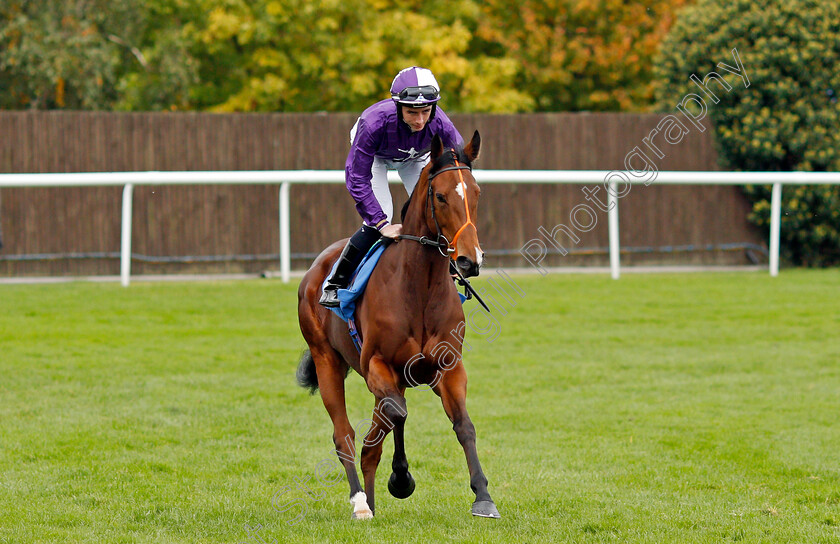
[328, 55]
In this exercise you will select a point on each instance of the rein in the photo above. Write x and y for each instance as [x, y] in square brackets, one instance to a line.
[426, 241]
[442, 243]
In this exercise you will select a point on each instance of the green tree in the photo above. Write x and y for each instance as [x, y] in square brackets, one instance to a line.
[788, 118]
[161, 69]
[50, 57]
[93, 54]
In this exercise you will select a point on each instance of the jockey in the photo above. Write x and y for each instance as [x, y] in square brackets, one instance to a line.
[395, 134]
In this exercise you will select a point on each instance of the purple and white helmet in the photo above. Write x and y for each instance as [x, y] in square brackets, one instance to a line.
[415, 87]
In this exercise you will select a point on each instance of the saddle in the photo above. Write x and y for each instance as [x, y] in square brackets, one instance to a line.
[346, 310]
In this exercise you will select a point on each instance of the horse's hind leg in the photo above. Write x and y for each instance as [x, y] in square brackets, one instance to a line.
[331, 374]
[452, 390]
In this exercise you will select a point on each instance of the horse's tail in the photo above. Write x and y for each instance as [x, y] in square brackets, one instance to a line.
[306, 375]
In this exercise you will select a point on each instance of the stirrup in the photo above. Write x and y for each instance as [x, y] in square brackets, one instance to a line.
[329, 298]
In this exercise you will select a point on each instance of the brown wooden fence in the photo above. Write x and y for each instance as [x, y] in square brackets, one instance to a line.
[75, 231]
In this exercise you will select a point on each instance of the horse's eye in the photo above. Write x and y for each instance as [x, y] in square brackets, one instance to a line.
[440, 198]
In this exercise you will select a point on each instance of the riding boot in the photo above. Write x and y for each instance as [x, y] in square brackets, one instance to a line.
[352, 254]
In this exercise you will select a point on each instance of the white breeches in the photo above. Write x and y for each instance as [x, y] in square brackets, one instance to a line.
[409, 172]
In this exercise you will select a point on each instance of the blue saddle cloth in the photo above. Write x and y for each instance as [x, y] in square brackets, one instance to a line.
[347, 297]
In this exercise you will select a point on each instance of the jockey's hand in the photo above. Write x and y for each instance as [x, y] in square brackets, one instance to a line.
[391, 231]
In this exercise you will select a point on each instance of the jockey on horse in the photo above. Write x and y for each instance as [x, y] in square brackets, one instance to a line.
[394, 133]
[409, 324]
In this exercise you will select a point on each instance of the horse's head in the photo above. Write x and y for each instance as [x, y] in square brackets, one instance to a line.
[452, 202]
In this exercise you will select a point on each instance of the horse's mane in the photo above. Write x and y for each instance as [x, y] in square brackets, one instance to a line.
[447, 158]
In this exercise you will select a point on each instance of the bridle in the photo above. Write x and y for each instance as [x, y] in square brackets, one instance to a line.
[442, 243]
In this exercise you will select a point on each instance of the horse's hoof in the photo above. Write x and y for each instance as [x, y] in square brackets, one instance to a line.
[485, 509]
[401, 492]
[361, 510]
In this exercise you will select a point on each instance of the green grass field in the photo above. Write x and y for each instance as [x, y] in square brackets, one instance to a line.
[658, 409]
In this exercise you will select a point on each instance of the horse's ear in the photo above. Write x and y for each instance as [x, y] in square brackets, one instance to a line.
[437, 147]
[472, 149]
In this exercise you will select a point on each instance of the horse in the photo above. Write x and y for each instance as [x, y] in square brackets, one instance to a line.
[411, 325]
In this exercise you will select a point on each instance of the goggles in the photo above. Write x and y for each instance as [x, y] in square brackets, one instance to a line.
[411, 94]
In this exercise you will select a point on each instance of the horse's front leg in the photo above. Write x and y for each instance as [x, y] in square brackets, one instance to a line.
[389, 413]
[452, 390]
[401, 483]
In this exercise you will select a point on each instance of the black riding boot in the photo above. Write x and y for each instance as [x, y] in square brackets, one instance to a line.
[350, 258]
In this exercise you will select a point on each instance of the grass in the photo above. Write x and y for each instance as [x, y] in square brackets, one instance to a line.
[657, 409]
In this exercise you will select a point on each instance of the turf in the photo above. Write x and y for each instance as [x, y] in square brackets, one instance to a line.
[657, 409]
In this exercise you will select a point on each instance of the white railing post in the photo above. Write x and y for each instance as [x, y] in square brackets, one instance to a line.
[286, 177]
[612, 206]
[775, 227]
[285, 242]
[125, 245]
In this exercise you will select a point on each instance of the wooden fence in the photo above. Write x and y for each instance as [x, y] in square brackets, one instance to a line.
[75, 231]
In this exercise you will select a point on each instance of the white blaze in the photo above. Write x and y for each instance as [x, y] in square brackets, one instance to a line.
[460, 190]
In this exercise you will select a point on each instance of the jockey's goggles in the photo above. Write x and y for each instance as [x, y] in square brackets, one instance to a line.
[428, 93]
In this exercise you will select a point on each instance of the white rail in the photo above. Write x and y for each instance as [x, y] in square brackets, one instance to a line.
[287, 177]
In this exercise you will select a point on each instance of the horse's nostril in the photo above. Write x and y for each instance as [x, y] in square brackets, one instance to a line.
[464, 263]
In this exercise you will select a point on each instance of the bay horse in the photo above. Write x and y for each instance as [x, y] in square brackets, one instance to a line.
[411, 325]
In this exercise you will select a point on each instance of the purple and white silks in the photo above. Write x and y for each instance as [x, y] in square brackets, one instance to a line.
[379, 136]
